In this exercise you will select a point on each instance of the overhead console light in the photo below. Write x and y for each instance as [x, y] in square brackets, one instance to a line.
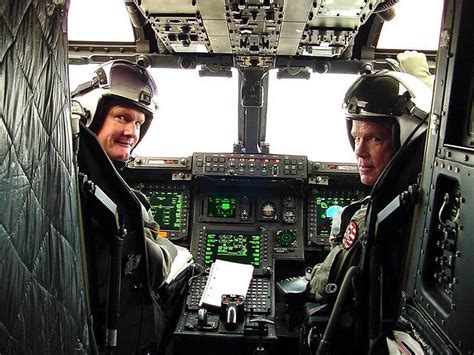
[143, 61]
[293, 73]
[321, 67]
[366, 68]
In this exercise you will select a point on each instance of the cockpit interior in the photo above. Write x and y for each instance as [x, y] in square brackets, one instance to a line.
[248, 159]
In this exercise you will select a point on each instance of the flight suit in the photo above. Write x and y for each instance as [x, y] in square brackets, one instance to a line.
[347, 233]
[161, 253]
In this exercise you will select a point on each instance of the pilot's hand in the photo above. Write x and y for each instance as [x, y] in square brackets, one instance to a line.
[416, 64]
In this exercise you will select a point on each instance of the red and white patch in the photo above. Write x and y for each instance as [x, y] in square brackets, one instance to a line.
[350, 235]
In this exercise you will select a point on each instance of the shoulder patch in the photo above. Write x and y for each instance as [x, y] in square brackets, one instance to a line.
[350, 235]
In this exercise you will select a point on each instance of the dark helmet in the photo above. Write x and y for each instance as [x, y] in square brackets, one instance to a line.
[398, 99]
[117, 81]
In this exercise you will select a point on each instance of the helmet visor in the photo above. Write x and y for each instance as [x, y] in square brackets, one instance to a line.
[373, 95]
[131, 82]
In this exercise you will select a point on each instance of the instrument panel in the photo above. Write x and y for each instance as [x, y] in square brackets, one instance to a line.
[252, 165]
[263, 210]
[274, 217]
[286, 198]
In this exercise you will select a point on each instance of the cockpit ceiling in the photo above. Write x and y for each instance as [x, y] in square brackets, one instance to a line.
[256, 31]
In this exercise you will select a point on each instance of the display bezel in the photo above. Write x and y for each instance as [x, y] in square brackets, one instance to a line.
[242, 203]
[172, 234]
[156, 194]
[314, 233]
[323, 224]
[213, 209]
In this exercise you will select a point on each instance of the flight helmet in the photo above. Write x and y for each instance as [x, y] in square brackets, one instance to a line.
[116, 82]
[400, 100]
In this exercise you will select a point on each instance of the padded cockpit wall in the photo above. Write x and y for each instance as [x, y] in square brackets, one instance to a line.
[42, 296]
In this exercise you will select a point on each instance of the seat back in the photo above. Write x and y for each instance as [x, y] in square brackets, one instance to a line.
[389, 240]
[391, 236]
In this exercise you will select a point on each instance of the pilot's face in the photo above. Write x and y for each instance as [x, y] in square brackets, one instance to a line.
[120, 131]
[373, 149]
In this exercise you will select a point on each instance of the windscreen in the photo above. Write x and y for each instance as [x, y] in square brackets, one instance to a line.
[305, 117]
[196, 114]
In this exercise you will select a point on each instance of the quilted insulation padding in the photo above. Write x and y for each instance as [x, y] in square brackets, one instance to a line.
[42, 297]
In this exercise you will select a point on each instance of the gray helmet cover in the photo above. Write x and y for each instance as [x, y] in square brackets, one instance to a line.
[117, 81]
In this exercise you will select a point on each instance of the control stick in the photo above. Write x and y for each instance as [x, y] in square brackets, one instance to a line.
[232, 310]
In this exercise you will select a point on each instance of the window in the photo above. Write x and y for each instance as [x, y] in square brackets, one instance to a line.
[305, 117]
[416, 25]
[196, 114]
[104, 20]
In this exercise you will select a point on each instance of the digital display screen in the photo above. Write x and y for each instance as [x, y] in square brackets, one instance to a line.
[167, 209]
[221, 206]
[235, 247]
[326, 208]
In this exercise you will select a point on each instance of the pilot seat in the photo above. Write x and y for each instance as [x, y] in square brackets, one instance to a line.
[369, 294]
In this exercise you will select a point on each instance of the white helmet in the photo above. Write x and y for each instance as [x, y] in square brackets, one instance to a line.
[399, 99]
[117, 81]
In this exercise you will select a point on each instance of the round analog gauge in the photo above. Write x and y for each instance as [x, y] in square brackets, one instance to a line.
[286, 238]
[289, 216]
[289, 202]
[268, 210]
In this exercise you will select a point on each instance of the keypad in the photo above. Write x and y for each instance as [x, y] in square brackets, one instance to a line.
[257, 300]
